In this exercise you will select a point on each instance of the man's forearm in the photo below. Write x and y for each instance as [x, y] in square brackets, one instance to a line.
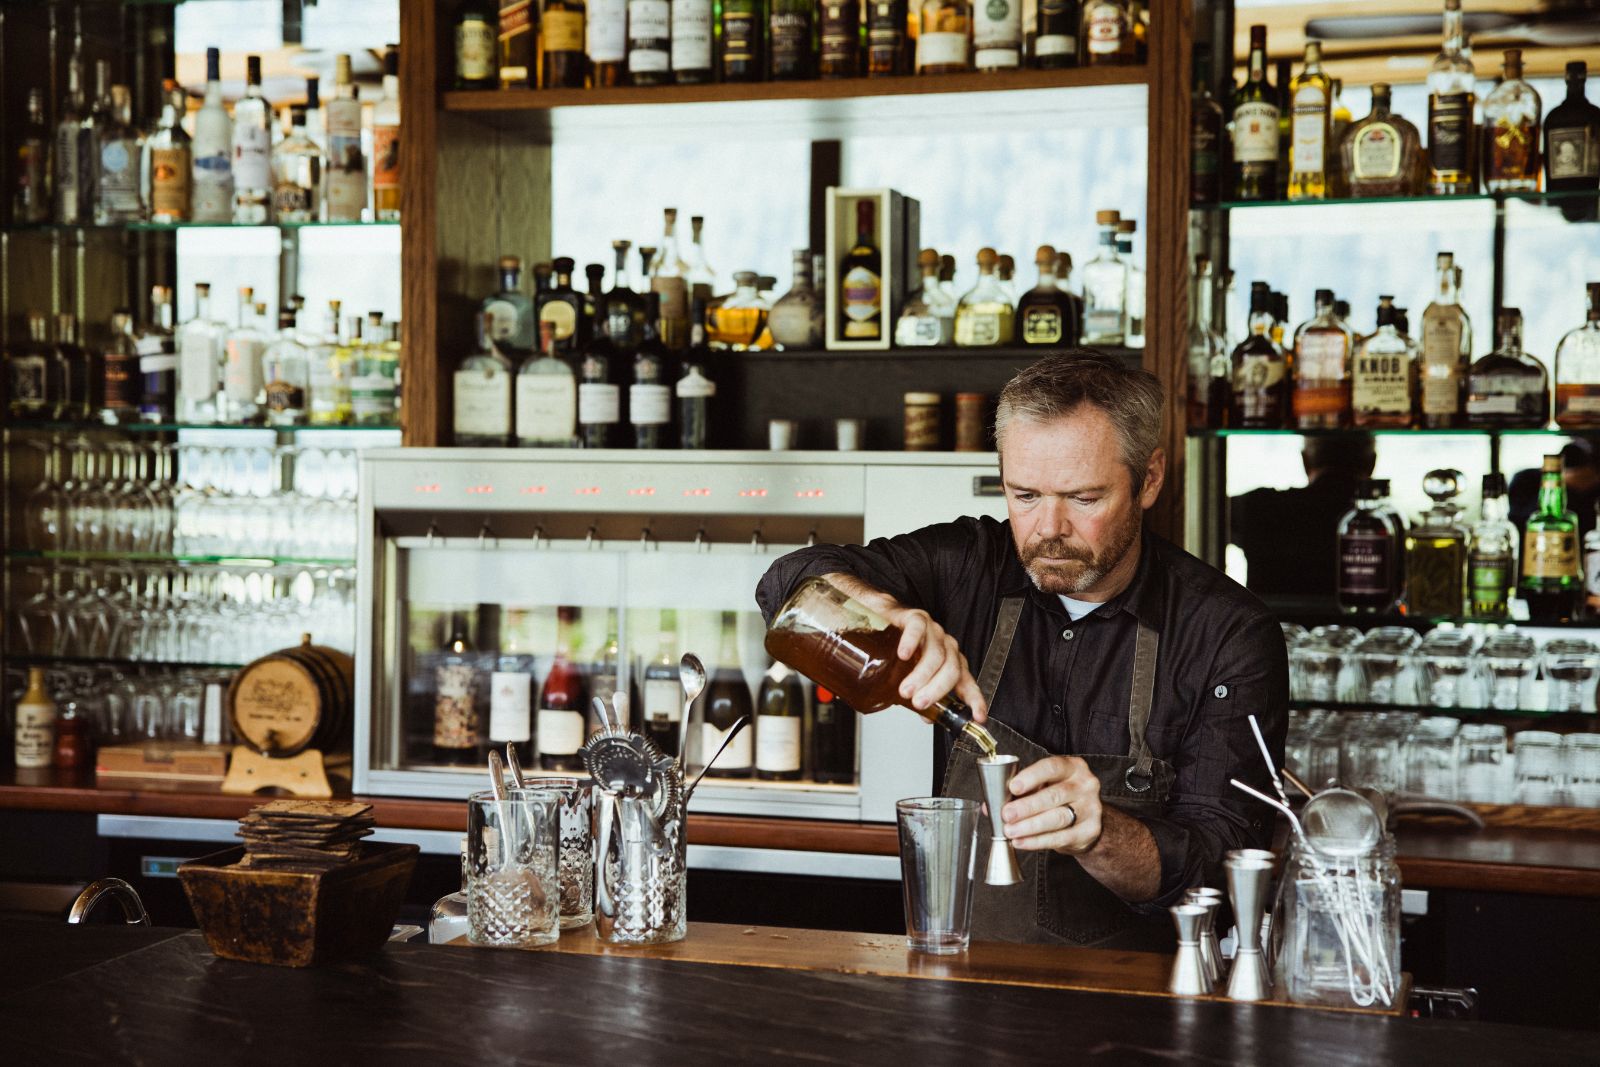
[1125, 860]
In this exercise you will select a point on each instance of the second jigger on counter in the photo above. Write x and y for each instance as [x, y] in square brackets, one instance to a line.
[996, 773]
[1248, 878]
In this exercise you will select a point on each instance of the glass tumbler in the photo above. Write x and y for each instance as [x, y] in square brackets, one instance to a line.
[1580, 766]
[576, 800]
[1432, 756]
[938, 838]
[513, 884]
[1483, 757]
[1538, 767]
[1571, 669]
[1507, 663]
[1447, 669]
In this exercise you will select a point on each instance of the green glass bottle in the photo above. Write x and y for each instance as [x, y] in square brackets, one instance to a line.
[742, 37]
[1256, 128]
[1552, 582]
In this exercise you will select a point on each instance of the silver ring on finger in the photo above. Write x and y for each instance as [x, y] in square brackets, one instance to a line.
[1074, 813]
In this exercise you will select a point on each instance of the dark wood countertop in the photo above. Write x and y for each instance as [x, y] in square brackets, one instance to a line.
[156, 997]
[1432, 855]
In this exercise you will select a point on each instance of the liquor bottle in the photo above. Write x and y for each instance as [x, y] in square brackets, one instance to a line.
[1384, 386]
[69, 163]
[1260, 373]
[602, 677]
[517, 57]
[926, 320]
[650, 397]
[623, 309]
[30, 178]
[36, 724]
[477, 28]
[1107, 33]
[456, 725]
[1382, 154]
[997, 35]
[1005, 270]
[168, 161]
[606, 40]
[322, 355]
[212, 177]
[243, 347]
[791, 48]
[27, 372]
[698, 271]
[1511, 132]
[1572, 145]
[1452, 136]
[1280, 89]
[944, 27]
[1205, 133]
[1045, 314]
[346, 173]
[1065, 283]
[984, 317]
[796, 319]
[1578, 371]
[695, 389]
[562, 704]
[117, 179]
[375, 385]
[1339, 120]
[1055, 34]
[724, 702]
[599, 397]
[482, 395]
[1446, 350]
[1255, 128]
[1105, 288]
[887, 52]
[560, 306]
[199, 346]
[507, 317]
[297, 173]
[79, 370]
[779, 724]
[1310, 104]
[668, 261]
[158, 360]
[1322, 372]
[119, 391]
[1508, 389]
[661, 709]
[740, 321]
[1369, 554]
[1134, 298]
[832, 739]
[1552, 581]
[1210, 369]
[742, 34]
[691, 41]
[91, 133]
[861, 279]
[547, 397]
[841, 39]
[286, 370]
[448, 919]
[1436, 553]
[1492, 560]
[252, 150]
[511, 692]
[565, 65]
[649, 42]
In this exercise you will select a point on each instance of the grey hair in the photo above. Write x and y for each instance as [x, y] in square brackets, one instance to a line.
[1059, 384]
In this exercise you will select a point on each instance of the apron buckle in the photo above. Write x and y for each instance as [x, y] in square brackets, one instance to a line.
[1137, 780]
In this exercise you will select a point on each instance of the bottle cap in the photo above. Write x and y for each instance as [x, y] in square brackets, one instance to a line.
[1046, 256]
[1107, 218]
[987, 258]
[1577, 69]
[921, 399]
[1494, 484]
[564, 264]
[510, 263]
[1324, 296]
[1126, 226]
[1552, 464]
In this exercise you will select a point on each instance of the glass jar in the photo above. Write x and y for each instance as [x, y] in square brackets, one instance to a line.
[1336, 928]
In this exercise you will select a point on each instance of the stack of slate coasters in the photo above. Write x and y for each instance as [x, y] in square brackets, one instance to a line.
[317, 834]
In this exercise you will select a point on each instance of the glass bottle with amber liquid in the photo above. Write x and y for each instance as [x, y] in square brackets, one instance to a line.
[1322, 369]
[742, 37]
[1552, 579]
[1452, 133]
[861, 279]
[1047, 315]
[1446, 350]
[1578, 371]
[1255, 128]
[1382, 154]
[1511, 132]
[1436, 552]
[724, 702]
[565, 64]
[944, 30]
[1384, 386]
[1508, 389]
[887, 51]
[1260, 372]
[1310, 107]
[984, 316]
[1106, 33]
[476, 35]
[841, 39]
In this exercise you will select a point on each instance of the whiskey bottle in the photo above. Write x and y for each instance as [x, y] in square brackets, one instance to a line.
[984, 317]
[482, 412]
[477, 31]
[1511, 132]
[1384, 389]
[861, 279]
[1310, 101]
[1322, 371]
[1209, 366]
[997, 35]
[1055, 34]
[1045, 313]
[1436, 553]
[1578, 371]
[1572, 146]
[887, 51]
[1552, 581]
[562, 307]
[562, 704]
[1382, 154]
[606, 38]
[695, 389]
[1105, 288]
[252, 149]
[1255, 128]
[1452, 135]
[649, 42]
[1106, 35]
[1446, 350]
[599, 398]
[1260, 372]
[841, 39]
[650, 397]
[518, 51]
[691, 41]
[346, 196]
[456, 722]
[1492, 560]
[119, 390]
[742, 34]
[944, 27]
[507, 318]
[725, 701]
[791, 53]
[1369, 553]
[1508, 389]
[1205, 133]
[565, 66]
[779, 724]
[167, 162]
[546, 397]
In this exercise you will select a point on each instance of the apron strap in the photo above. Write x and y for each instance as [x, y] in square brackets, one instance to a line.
[1140, 699]
[994, 658]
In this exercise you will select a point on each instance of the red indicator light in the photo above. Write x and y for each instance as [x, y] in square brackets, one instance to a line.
[809, 494]
[752, 492]
[535, 489]
[588, 490]
[479, 490]
[697, 492]
[434, 488]
[644, 491]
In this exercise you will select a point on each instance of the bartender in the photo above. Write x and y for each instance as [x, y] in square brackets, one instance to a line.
[1117, 667]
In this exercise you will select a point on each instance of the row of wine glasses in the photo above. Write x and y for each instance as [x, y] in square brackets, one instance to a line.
[172, 613]
[120, 705]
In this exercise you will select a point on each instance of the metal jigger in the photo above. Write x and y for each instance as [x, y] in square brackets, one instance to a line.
[1247, 888]
[996, 772]
[1211, 900]
[1189, 977]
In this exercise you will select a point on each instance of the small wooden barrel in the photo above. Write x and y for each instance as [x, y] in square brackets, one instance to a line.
[294, 699]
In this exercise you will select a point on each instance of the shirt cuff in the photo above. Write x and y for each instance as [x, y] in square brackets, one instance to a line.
[1174, 843]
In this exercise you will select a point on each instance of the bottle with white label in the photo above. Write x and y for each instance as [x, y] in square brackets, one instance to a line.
[599, 398]
[780, 721]
[252, 150]
[346, 195]
[483, 395]
[547, 397]
[691, 41]
[944, 29]
[725, 700]
[561, 705]
[649, 42]
[36, 724]
[158, 360]
[650, 397]
[511, 700]
[242, 381]
[212, 187]
[661, 698]
[117, 192]
[996, 34]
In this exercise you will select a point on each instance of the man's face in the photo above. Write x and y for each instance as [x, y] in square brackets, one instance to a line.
[1073, 509]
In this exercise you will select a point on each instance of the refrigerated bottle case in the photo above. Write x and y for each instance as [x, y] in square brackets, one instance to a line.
[481, 568]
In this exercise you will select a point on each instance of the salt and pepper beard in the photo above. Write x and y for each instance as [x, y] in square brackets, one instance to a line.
[1082, 569]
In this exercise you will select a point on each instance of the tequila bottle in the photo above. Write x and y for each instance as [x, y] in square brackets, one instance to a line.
[1310, 103]
[285, 367]
[1446, 350]
[984, 317]
[1572, 145]
[929, 316]
[1508, 389]
[1384, 389]
[1492, 560]
[1452, 135]
[1260, 372]
[1382, 154]
[1578, 371]
[1046, 314]
[482, 415]
[252, 150]
[1105, 288]
[1552, 579]
[1322, 371]
[1511, 132]
[297, 173]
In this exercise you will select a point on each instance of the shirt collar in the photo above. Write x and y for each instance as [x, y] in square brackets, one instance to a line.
[1143, 598]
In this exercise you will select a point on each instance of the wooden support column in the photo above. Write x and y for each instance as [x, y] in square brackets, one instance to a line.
[425, 392]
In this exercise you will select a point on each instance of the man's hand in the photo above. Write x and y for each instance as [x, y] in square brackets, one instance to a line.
[939, 667]
[1057, 807]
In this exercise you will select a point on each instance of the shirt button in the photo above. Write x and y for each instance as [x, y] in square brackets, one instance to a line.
[1067, 635]
[1220, 692]
[1055, 708]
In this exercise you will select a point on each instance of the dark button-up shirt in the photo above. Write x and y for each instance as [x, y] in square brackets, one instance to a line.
[1066, 685]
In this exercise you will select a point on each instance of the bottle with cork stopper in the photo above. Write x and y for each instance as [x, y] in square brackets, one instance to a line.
[984, 316]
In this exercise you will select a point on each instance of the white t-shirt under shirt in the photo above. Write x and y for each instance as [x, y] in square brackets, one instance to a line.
[1077, 609]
